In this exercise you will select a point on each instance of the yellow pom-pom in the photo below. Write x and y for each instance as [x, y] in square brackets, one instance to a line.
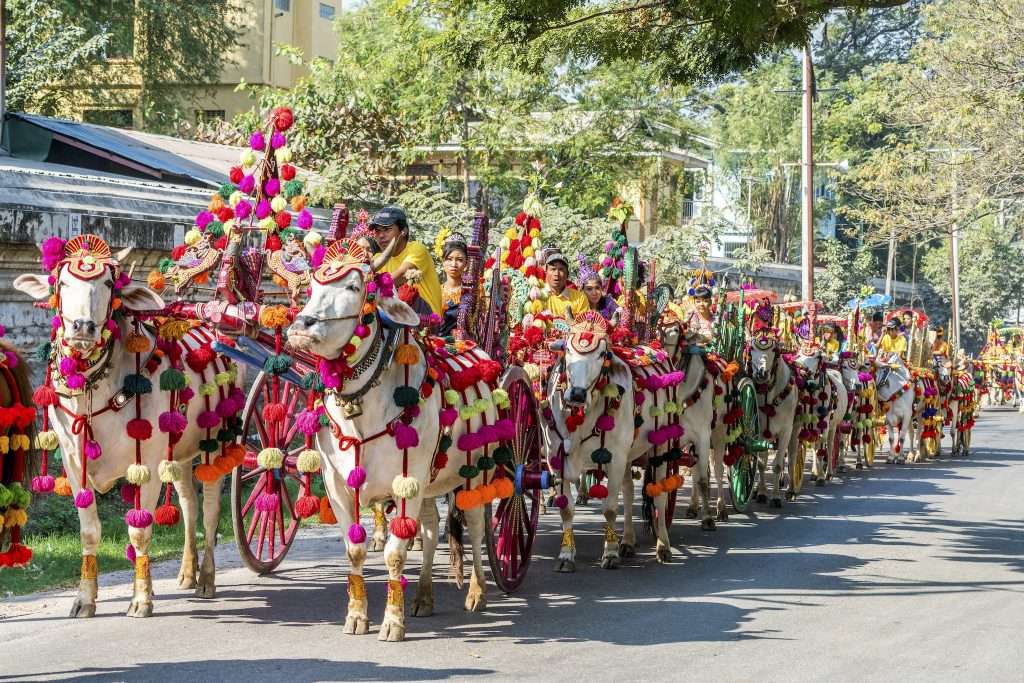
[535, 233]
[169, 471]
[528, 252]
[500, 398]
[511, 234]
[137, 474]
[5, 444]
[308, 461]
[451, 397]
[405, 487]
[247, 157]
[15, 517]
[229, 226]
[222, 378]
[47, 440]
[174, 329]
[268, 224]
[24, 443]
[283, 154]
[235, 197]
[192, 237]
[274, 316]
[407, 354]
[270, 458]
[278, 204]
[312, 240]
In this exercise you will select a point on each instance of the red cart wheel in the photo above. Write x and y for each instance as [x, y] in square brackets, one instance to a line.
[513, 525]
[263, 537]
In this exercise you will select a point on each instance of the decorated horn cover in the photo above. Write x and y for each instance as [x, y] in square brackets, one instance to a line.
[587, 331]
[87, 257]
[341, 257]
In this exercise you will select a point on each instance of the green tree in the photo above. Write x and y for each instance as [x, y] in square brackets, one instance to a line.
[846, 272]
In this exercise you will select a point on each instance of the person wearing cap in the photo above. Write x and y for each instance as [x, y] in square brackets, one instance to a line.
[940, 347]
[893, 341]
[562, 301]
[408, 258]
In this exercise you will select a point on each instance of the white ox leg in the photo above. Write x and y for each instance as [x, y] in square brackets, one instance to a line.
[142, 597]
[423, 603]
[357, 621]
[207, 587]
[663, 549]
[628, 546]
[89, 531]
[476, 597]
[380, 528]
[189, 516]
[566, 561]
[392, 627]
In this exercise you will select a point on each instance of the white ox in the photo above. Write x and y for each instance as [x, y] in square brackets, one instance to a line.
[324, 327]
[84, 307]
[777, 400]
[837, 401]
[895, 392]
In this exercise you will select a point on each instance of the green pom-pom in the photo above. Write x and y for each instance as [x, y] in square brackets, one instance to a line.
[638, 422]
[293, 188]
[172, 379]
[21, 497]
[215, 228]
[226, 435]
[226, 190]
[502, 455]
[601, 456]
[444, 444]
[673, 454]
[43, 352]
[485, 463]
[368, 319]
[164, 264]
[312, 382]
[209, 445]
[324, 420]
[277, 364]
[406, 396]
[137, 385]
[469, 472]
[6, 497]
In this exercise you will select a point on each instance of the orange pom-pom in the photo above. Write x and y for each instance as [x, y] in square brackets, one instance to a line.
[116, 303]
[406, 354]
[208, 473]
[730, 371]
[156, 280]
[274, 316]
[279, 281]
[202, 278]
[467, 500]
[136, 343]
[224, 463]
[326, 512]
[236, 452]
[216, 203]
[488, 492]
[653, 489]
[53, 301]
[504, 487]
[61, 486]
[369, 309]
[298, 203]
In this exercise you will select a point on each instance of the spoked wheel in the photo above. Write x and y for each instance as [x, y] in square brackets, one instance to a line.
[513, 524]
[797, 462]
[264, 537]
[743, 474]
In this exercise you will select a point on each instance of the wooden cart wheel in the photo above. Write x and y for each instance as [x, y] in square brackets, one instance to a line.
[513, 523]
[743, 474]
[263, 538]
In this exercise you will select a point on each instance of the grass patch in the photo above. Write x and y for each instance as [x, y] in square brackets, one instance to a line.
[52, 533]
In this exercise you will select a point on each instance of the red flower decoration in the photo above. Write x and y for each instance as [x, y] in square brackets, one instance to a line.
[283, 118]
[273, 243]
[287, 171]
[235, 174]
[283, 219]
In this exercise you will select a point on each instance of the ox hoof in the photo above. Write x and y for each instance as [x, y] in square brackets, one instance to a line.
[790, 495]
[627, 550]
[814, 477]
[762, 498]
[819, 482]
[423, 606]
[415, 544]
[82, 610]
[391, 632]
[610, 562]
[663, 554]
[691, 512]
[777, 502]
[356, 625]
[206, 590]
[723, 514]
[708, 524]
[860, 466]
[476, 602]
[140, 608]
[889, 460]
[187, 577]
[565, 566]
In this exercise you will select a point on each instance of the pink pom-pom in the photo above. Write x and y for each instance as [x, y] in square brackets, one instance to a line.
[606, 423]
[317, 258]
[272, 187]
[639, 397]
[172, 422]
[43, 483]
[506, 429]
[469, 442]
[263, 209]
[412, 411]
[93, 450]
[247, 184]
[129, 552]
[138, 519]
[561, 502]
[257, 142]
[653, 383]
[307, 422]
[12, 358]
[371, 287]
[555, 462]
[268, 502]
[208, 419]
[75, 381]
[242, 209]
[277, 140]
[304, 220]
[52, 250]
[448, 417]
[227, 407]
[356, 478]
[83, 498]
[356, 534]
[203, 219]
[238, 396]
[56, 322]
[68, 366]
[186, 395]
[128, 492]
[406, 436]
[362, 331]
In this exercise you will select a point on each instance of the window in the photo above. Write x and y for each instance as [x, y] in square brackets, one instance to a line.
[326, 11]
[283, 5]
[209, 115]
[118, 118]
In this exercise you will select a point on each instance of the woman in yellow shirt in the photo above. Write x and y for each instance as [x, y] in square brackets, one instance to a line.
[892, 342]
[407, 259]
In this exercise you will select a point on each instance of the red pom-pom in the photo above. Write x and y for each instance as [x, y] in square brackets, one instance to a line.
[489, 370]
[235, 174]
[221, 243]
[521, 218]
[307, 506]
[283, 118]
[224, 214]
[283, 219]
[441, 461]
[287, 171]
[273, 243]
[533, 335]
[274, 412]
[533, 223]
[178, 251]
[404, 527]
[198, 358]
[140, 429]
[167, 515]
[44, 396]
[598, 491]
[489, 263]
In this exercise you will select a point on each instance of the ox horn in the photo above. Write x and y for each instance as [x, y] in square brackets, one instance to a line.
[380, 259]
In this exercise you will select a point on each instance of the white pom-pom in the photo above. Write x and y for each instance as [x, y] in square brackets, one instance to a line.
[169, 471]
[405, 487]
[308, 461]
[137, 474]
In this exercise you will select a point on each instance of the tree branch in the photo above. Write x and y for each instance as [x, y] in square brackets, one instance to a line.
[614, 12]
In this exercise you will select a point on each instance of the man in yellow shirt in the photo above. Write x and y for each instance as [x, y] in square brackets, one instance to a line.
[408, 258]
[562, 301]
[892, 342]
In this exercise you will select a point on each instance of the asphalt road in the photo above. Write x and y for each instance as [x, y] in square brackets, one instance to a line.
[906, 573]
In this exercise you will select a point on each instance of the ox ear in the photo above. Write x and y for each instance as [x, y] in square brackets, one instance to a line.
[122, 255]
[394, 311]
[621, 374]
[141, 298]
[35, 285]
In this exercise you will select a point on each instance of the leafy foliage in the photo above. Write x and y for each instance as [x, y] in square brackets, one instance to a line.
[846, 272]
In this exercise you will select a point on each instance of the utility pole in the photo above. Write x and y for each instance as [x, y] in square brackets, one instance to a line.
[807, 173]
[3, 68]
[954, 266]
[890, 263]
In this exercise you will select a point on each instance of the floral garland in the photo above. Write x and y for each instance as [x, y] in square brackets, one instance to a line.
[14, 499]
